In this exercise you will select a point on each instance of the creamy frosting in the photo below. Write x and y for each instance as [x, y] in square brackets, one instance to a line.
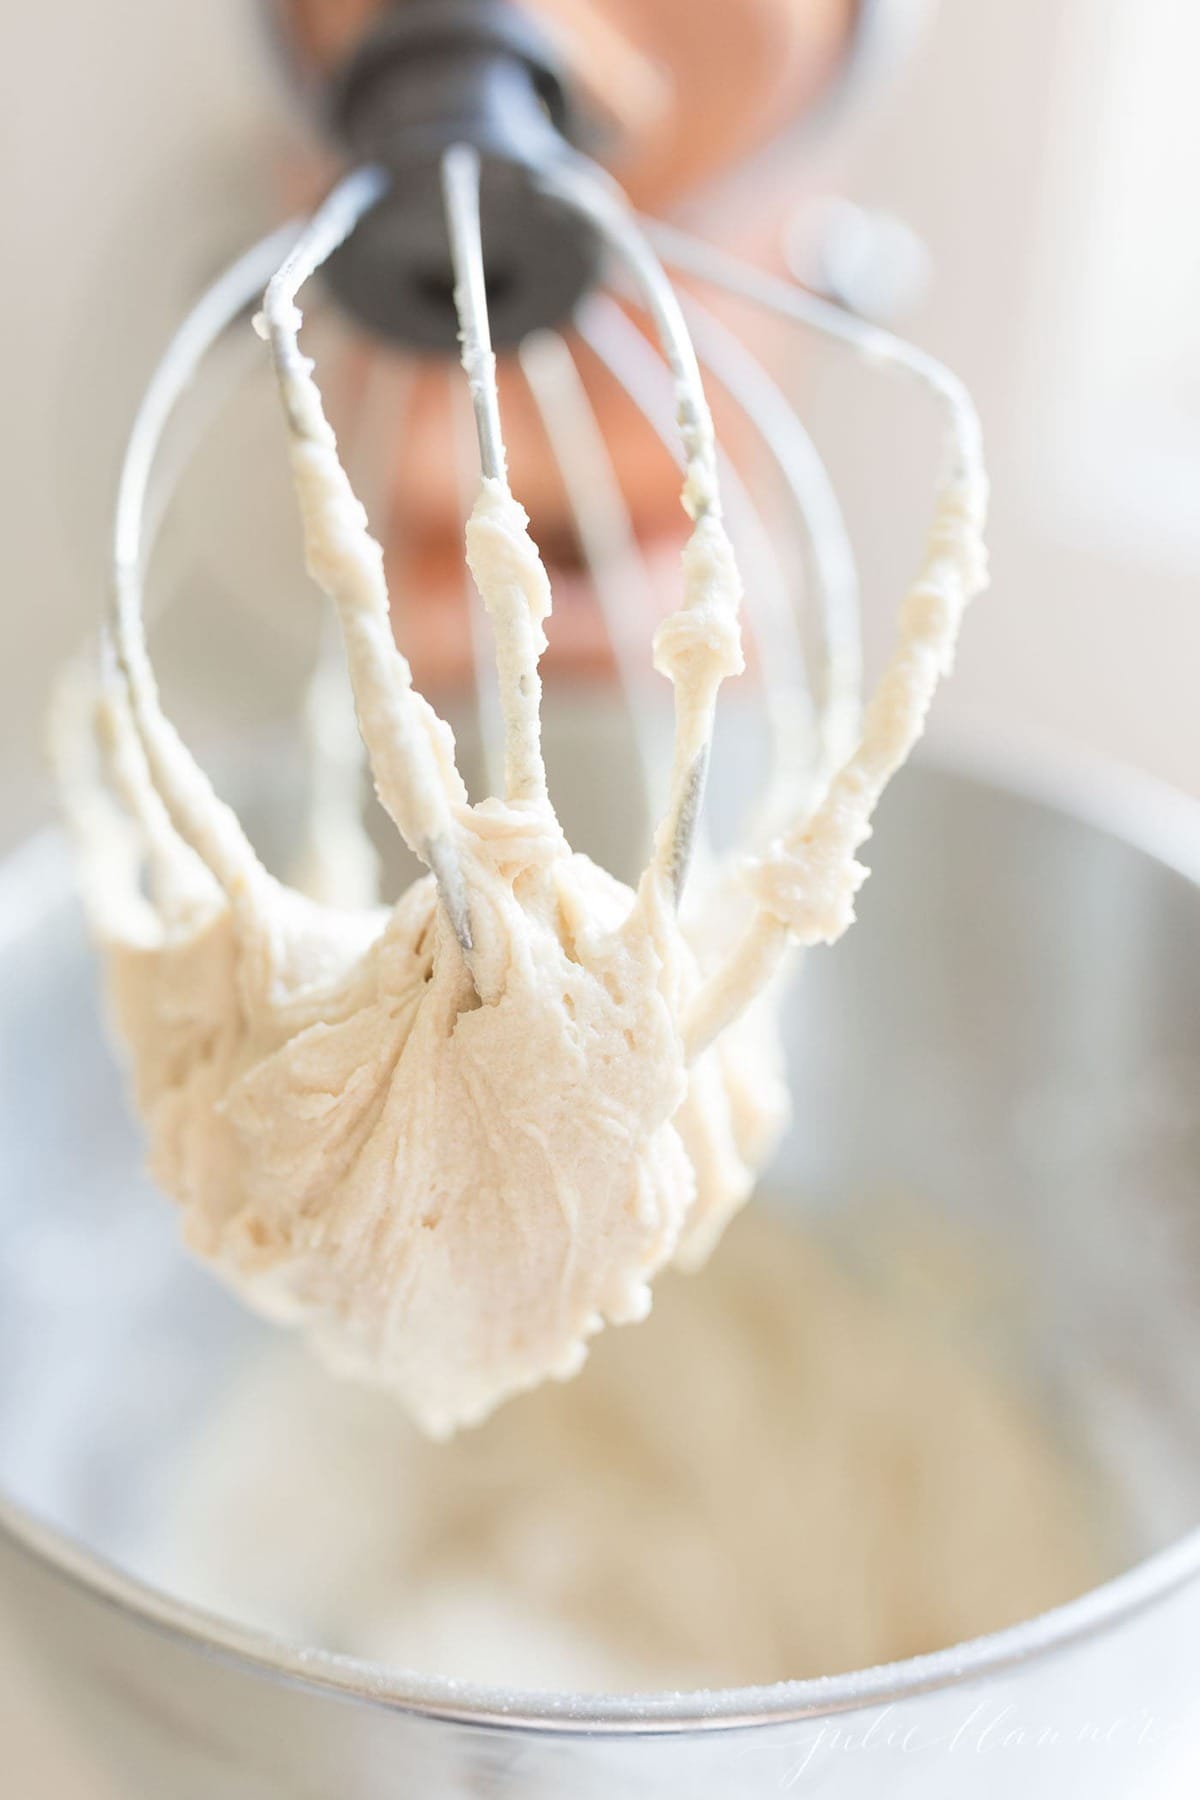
[454, 1137]
[789, 1470]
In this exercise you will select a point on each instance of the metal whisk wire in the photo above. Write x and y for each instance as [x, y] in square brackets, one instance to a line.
[581, 189]
[812, 714]
[770, 616]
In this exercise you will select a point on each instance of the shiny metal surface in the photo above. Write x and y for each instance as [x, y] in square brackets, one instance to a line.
[1011, 1033]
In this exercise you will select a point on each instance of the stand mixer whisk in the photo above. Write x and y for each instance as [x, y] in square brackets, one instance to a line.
[476, 219]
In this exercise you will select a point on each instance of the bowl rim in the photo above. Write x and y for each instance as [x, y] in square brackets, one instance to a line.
[1138, 810]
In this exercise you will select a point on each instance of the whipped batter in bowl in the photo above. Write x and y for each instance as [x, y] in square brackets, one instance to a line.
[128, 1377]
[786, 1472]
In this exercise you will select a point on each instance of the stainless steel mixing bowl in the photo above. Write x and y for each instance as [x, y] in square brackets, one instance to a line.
[1012, 1032]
